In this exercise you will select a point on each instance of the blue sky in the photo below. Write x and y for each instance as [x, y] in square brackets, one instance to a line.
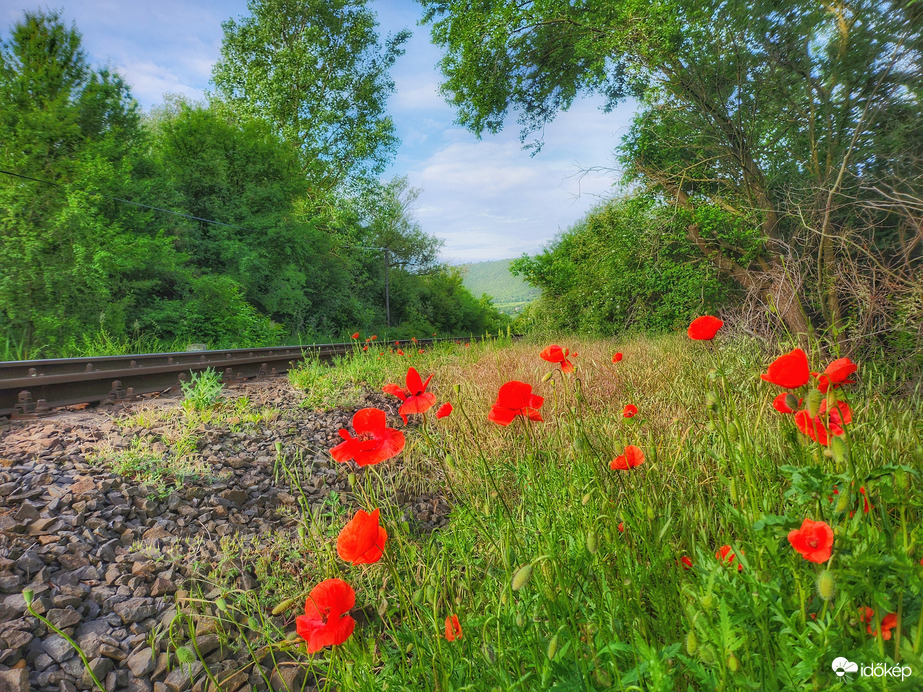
[487, 199]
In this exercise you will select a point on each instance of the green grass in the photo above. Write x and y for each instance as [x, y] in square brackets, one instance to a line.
[604, 607]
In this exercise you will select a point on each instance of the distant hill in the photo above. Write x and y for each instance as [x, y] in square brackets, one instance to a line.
[510, 293]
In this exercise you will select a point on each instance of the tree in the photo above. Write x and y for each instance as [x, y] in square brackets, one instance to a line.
[71, 258]
[774, 113]
[315, 69]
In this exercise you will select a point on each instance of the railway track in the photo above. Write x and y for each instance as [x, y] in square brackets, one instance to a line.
[32, 388]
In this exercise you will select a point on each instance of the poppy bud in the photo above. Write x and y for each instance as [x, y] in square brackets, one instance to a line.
[302, 532]
[692, 642]
[520, 621]
[28, 596]
[586, 498]
[417, 596]
[650, 513]
[843, 502]
[592, 542]
[253, 623]
[710, 426]
[352, 479]
[185, 655]
[382, 607]
[792, 401]
[547, 376]
[221, 605]
[708, 600]
[826, 585]
[838, 448]
[283, 606]
[456, 388]
[489, 653]
[450, 461]
[733, 432]
[553, 647]
[409, 648]
[828, 453]
[522, 577]
[711, 401]
[812, 401]
[430, 594]
[580, 444]
[733, 663]
[712, 375]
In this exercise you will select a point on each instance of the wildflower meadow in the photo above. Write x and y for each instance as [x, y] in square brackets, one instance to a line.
[686, 512]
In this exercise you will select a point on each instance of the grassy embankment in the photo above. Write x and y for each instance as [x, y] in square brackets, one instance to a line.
[567, 574]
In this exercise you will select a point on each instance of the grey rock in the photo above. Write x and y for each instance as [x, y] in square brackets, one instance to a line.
[16, 680]
[58, 648]
[141, 663]
[135, 609]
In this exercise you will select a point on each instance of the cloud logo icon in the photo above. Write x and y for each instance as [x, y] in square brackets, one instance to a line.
[841, 666]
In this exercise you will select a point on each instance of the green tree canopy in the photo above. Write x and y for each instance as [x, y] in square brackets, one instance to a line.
[316, 70]
[785, 115]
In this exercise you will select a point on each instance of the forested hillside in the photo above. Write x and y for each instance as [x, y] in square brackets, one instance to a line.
[226, 222]
[510, 293]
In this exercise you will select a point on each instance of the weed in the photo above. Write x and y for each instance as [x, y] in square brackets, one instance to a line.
[203, 391]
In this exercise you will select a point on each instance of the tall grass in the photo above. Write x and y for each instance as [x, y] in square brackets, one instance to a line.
[567, 574]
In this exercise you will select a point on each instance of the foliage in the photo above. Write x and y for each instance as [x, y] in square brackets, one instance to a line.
[316, 71]
[787, 118]
[84, 272]
[203, 391]
[627, 265]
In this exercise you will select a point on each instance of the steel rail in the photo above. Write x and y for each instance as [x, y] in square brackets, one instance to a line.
[32, 388]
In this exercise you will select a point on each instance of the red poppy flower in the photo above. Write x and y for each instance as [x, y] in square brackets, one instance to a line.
[516, 399]
[621, 527]
[355, 335]
[365, 348]
[866, 505]
[616, 358]
[839, 416]
[781, 403]
[704, 328]
[444, 411]
[836, 374]
[420, 351]
[413, 339]
[556, 354]
[325, 622]
[453, 629]
[687, 562]
[374, 441]
[814, 540]
[400, 353]
[629, 411]
[415, 397]
[362, 540]
[822, 426]
[374, 336]
[789, 371]
[629, 459]
[724, 554]
[888, 623]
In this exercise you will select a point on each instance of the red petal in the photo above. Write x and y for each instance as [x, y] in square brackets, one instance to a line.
[369, 420]
[394, 390]
[420, 403]
[515, 395]
[502, 415]
[704, 328]
[414, 383]
[790, 371]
